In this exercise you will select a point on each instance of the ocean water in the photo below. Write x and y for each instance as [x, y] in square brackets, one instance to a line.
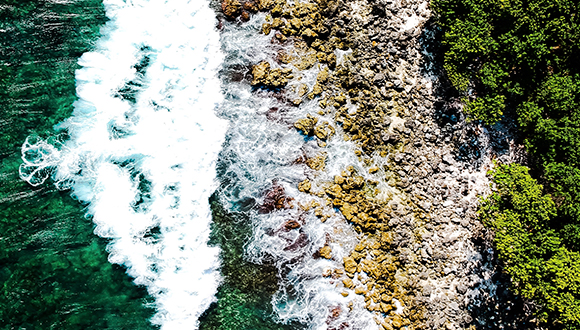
[136, 159]
[54, 272]
[141, 148]
[109, 152]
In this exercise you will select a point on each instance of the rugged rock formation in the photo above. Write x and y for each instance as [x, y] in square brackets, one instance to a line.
[423, 261]
[272, 78]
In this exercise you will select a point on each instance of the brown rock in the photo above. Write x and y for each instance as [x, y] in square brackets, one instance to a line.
[277, 78]
[291, 224]
[385, 308]
[349, 211]
[358, 256]
[316, 90]
[306, 62]
[295, 23]
[275, 198]
[309, 34]
[265, 4]
[325, 252]
[302, 90]
[277, 23]
[324, 130]
[397, 322]
[245, 16]
[266, 28]
[265, 76]
[349, 264]
[360, 290]
[348, 283]
[260, 72]
[334, 191]
[331, 60]
[317, 163]
[231, 8]
[284, 57]
[306, 125]
[305, 186]
[251, 6]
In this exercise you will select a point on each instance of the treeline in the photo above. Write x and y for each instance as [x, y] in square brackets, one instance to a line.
[525, 56]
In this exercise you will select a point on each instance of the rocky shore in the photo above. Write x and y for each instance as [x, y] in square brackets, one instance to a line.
[423, 260]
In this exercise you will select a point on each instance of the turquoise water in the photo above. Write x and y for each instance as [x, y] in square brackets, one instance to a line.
[53, 269]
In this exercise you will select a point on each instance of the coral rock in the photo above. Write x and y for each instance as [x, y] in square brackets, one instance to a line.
[231, 8]
[325, 252]
[349, 264]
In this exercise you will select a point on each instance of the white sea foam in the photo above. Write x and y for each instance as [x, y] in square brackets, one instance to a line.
[146, 165]
[262, 146]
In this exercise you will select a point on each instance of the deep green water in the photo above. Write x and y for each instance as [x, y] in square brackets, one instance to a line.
[244, 298]
[54, 272]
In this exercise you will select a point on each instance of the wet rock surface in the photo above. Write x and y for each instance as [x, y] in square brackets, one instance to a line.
[265, 76]
[424, 261]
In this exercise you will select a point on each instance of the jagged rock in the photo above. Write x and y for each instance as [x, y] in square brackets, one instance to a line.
[360, 290]
[291, 224]
[250, 6]
[305, 186]
[275, 198]
[349, 264]
[309, 34]
[316, 90]
[317, 163]
[265, 4]
[274, 78]
[306, 125]
[324, 131]
[302, 90]
[325, 252]
[348, 283]
[260, 72]
[266, 28]
[231, 8]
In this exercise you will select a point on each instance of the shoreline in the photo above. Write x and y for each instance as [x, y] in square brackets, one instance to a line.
[422, 257]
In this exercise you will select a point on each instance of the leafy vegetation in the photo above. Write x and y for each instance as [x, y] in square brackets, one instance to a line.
[542, 266]
[523, 55]
[505, 51]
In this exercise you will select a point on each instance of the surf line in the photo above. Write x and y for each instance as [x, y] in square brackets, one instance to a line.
[141, 149]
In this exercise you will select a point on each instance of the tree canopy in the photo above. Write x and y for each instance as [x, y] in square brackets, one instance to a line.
[523, 56]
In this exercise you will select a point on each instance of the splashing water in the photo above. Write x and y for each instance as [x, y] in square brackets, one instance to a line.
[260, 157]
[141, 149]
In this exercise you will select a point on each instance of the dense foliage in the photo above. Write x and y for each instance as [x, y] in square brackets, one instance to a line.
[504, 51]
[524, 55]
[542, 267]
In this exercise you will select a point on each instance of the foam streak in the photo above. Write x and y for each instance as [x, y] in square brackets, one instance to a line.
[143, 142]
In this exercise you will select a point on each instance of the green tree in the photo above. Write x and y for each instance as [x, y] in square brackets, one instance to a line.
[542, 268]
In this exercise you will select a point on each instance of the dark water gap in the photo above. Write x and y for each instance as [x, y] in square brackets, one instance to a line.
[244, 298]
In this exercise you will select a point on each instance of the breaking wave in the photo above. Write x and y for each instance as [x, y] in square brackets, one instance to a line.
[141, 147]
